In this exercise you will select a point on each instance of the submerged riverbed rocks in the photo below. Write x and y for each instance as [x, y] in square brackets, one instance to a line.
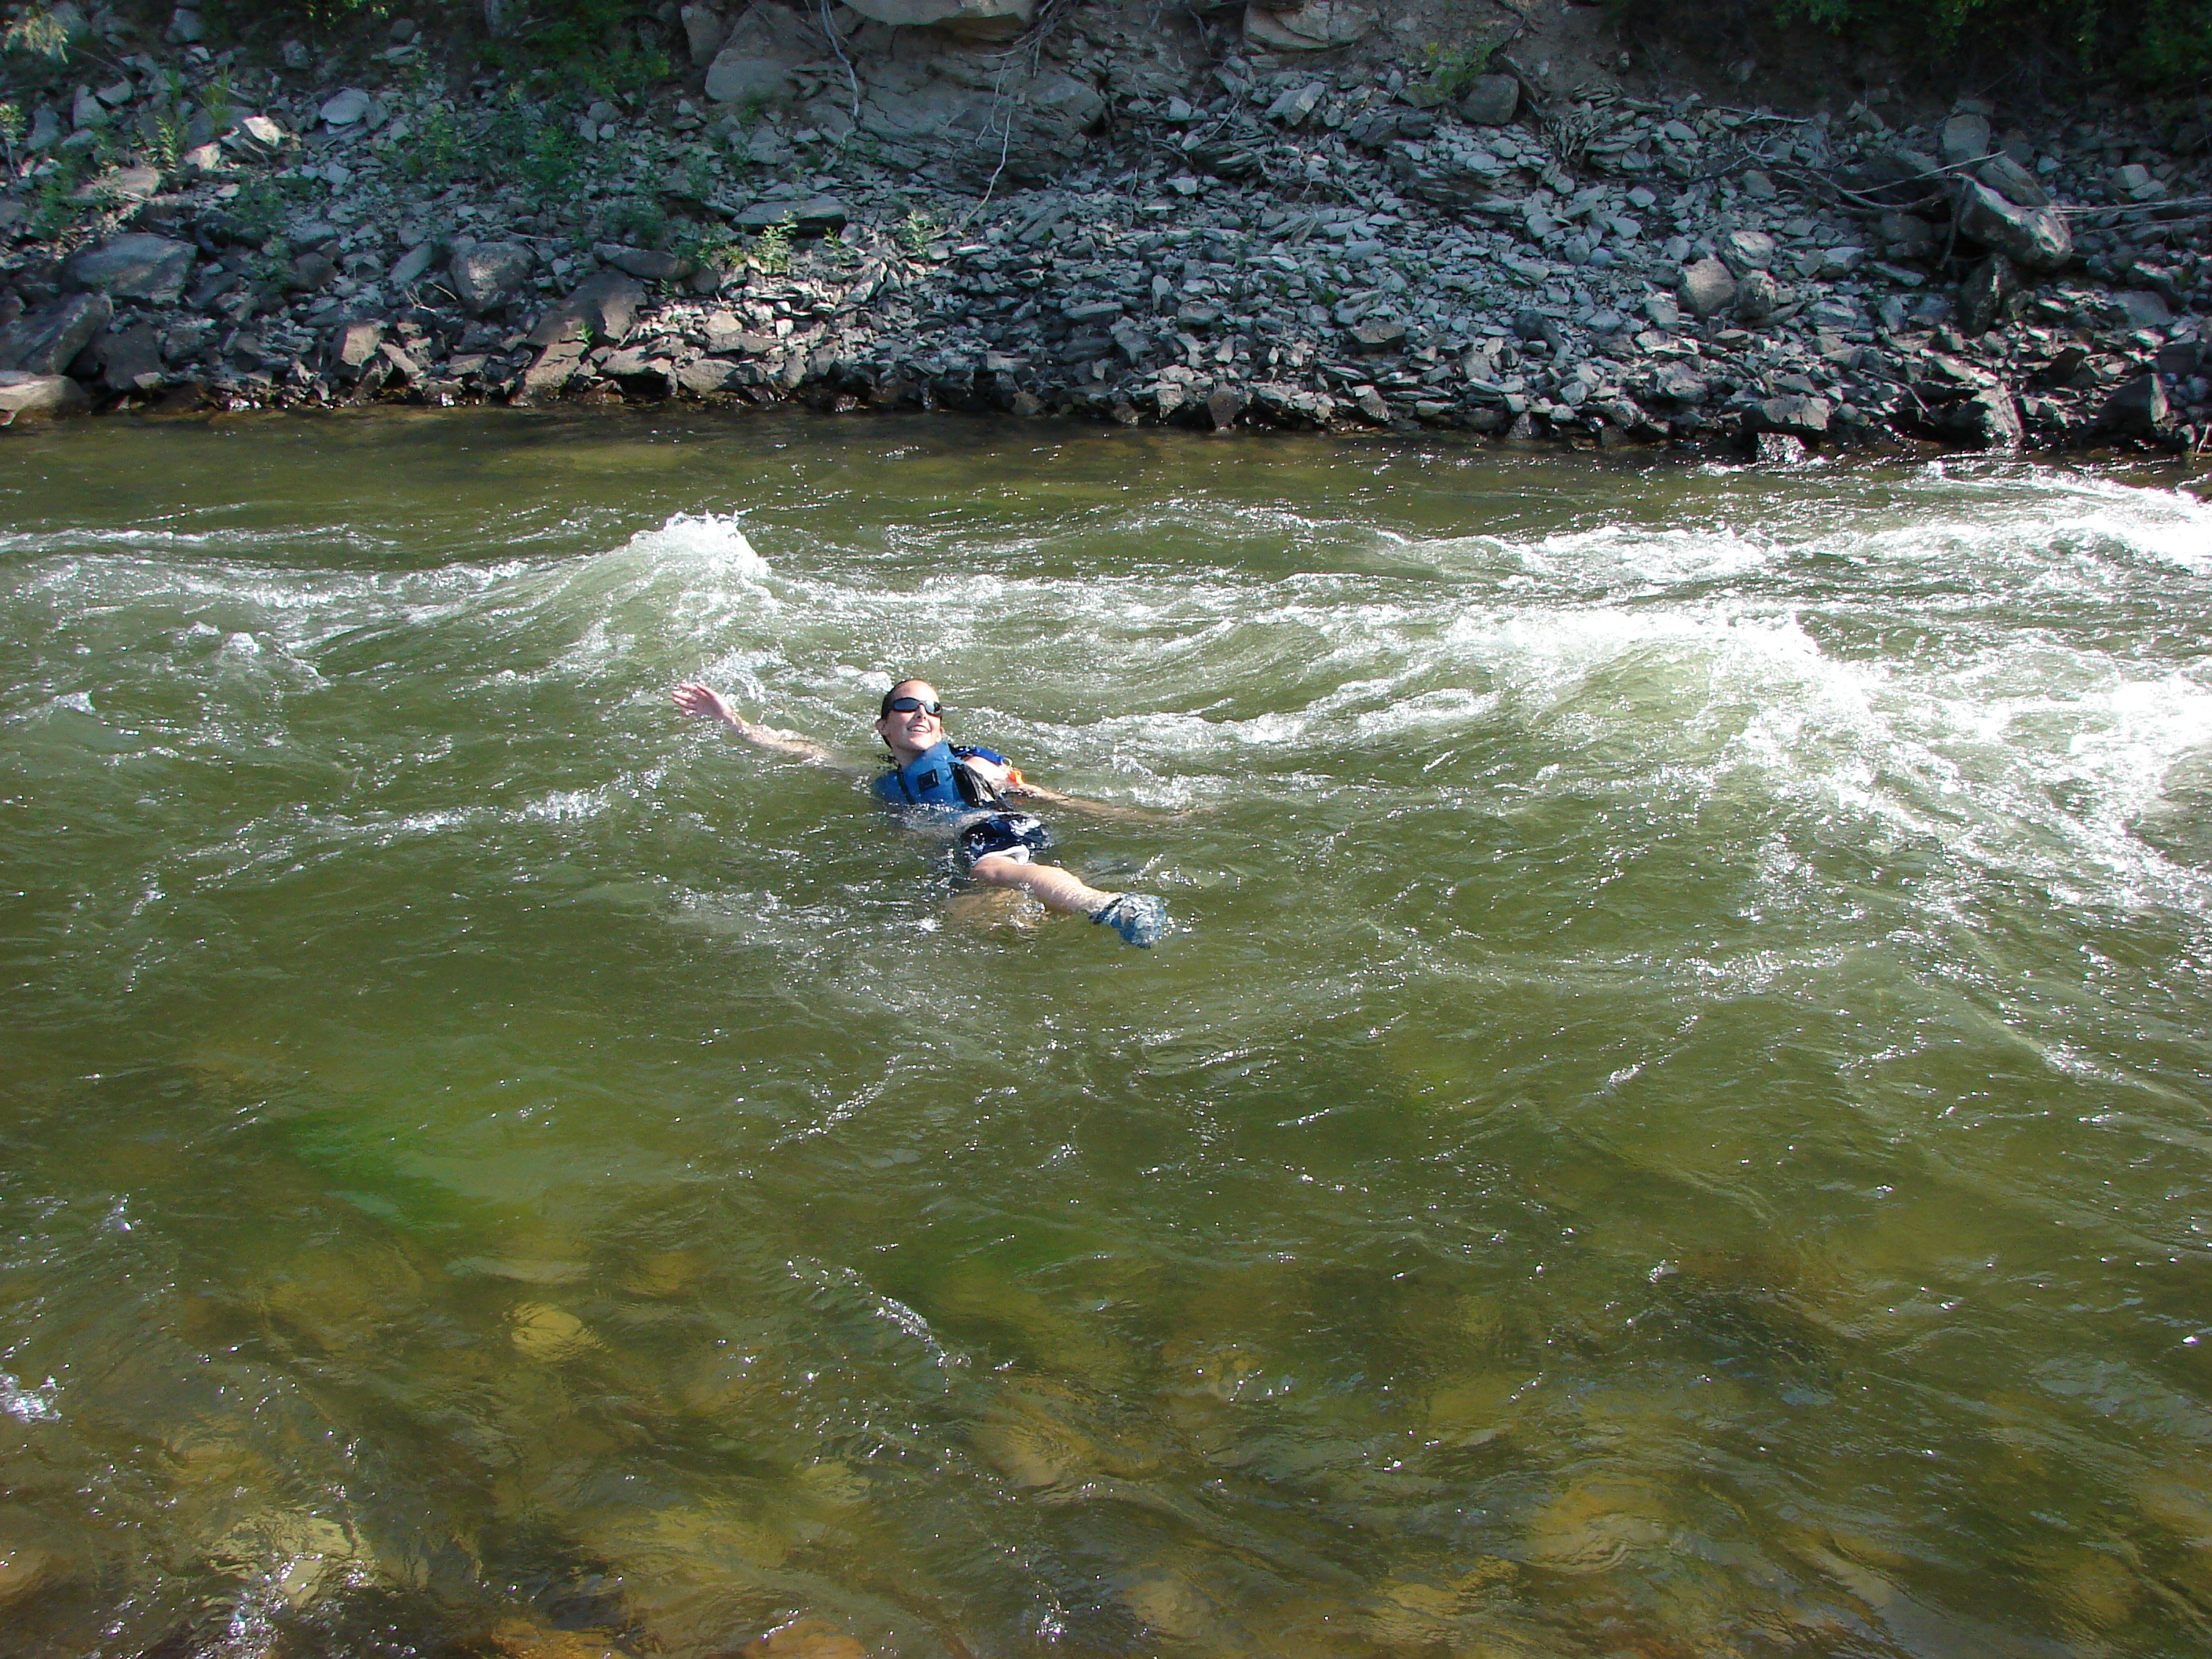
[1107, 214]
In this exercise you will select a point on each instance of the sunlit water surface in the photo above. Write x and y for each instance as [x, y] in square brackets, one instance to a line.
[1675, 1122]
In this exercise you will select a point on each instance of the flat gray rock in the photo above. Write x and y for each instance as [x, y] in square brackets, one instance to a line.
[2144, 308]
[346, 108]
[24, 394]
[413, 265]
[132, 266]
[817, 215]
[647, 265]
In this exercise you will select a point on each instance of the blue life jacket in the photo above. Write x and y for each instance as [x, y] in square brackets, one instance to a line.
[940, 777]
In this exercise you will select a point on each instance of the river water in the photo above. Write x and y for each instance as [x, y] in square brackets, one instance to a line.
[1675, 1121]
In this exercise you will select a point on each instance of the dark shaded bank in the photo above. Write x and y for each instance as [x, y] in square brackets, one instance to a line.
[1303, 218]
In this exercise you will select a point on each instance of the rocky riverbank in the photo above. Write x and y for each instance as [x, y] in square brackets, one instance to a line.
[1301, 217]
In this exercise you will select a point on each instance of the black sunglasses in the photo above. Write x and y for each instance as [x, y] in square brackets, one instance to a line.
[907, 705]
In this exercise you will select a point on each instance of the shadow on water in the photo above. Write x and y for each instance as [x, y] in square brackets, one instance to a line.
[1673, 1124]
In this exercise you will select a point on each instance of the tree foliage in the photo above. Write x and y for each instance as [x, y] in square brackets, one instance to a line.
[2166, 44]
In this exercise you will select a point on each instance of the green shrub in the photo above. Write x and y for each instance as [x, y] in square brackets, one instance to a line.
[37, 34]
[258, 207]
[433, 150]
[637, 220]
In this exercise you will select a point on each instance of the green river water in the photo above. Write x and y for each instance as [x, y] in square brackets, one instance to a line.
[1674, 1120]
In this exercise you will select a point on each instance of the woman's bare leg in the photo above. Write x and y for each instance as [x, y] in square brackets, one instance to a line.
[1048, 883]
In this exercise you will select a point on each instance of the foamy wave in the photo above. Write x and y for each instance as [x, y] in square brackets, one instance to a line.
[708, 540]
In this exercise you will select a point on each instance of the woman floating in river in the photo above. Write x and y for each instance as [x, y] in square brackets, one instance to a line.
[974, 786]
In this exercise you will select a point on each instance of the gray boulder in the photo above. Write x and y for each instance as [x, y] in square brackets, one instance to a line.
[353, 345]
[1036, 126]
[38, 394]
[1707, 288]
[1759, 296]
[978, 20]
[1965, 137]
[755, 64]
[704, 33]
[1491, 101]
[43, 341]
[487, 274]
[2013, 181]
[603, 309]
[1313, 25]
[2137, 408]
[2034, 237]
[1798, 413]
[1747, 250]
[129, 359]
[1678, 383]
[132, 266]
[1988, 419]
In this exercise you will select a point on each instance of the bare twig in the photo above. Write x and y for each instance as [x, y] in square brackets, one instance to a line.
[2139, 207]
[837, 46]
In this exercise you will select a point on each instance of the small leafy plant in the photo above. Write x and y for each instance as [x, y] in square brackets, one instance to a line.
[1453, 70]
[918, 231]
[771, 249]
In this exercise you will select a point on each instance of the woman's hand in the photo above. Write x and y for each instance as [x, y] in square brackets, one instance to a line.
[706, 703]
